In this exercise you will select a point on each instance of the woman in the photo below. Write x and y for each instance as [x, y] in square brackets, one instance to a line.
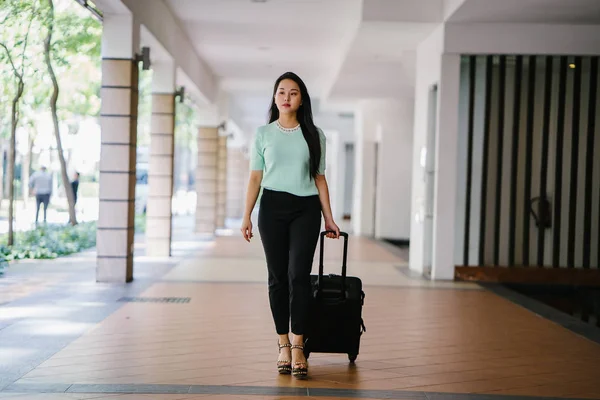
[288, 162]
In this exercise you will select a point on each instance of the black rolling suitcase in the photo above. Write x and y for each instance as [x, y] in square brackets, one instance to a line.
[335, 321]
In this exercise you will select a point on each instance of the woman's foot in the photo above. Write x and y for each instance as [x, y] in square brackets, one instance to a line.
[299, 363]
[284, 361]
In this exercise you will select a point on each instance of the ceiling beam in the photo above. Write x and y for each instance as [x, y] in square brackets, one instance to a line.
[402, 11]
[510, 38]
[160, 22]
[451, 6]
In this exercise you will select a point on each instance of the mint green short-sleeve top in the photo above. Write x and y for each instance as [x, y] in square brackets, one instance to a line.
[284, 158]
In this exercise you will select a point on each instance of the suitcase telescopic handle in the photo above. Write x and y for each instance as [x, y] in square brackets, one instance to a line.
[344, 258]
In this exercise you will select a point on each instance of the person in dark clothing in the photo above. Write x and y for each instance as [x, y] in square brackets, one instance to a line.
[41, 185]
[75, 186]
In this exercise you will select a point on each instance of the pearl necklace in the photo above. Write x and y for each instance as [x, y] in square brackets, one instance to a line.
[287, 130]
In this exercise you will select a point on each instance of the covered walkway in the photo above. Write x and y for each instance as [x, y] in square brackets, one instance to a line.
[425, 106]
[199, 326]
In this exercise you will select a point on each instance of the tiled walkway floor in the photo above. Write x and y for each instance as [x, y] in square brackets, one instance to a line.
[422, 338]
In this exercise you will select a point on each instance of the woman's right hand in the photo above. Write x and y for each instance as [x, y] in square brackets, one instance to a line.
[247, 229]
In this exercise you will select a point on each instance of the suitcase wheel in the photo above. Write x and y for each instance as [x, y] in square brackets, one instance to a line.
[352, 357]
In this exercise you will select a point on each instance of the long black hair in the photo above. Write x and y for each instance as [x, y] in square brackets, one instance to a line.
[304, 115]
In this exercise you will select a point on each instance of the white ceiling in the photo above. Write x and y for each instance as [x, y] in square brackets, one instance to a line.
[381, 61]
[247, 44]
[345, 50]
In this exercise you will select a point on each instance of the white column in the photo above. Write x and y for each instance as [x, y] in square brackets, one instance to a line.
[160, 172]
[433, 245]
[206, 180]
[363, 212]
[446, 154]
[221, 181]
[118, 122]
[428, 68]
[237, 176]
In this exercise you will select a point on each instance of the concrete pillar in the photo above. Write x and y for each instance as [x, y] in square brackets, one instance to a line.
[221, 181]
[237, 177]
[363, 207]
[118, 122]
[206, 180]
[160, 172]
[435, 149]
[446, 156]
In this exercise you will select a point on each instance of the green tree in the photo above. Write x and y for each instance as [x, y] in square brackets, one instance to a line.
[17, 19]
[74, 52]
[53, 108]
[72, 48]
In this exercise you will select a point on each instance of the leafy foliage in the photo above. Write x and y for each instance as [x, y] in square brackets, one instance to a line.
[144, 106]
[186, 124]
[76, 58]
[75, 54]
[50, 241]
[140, 223]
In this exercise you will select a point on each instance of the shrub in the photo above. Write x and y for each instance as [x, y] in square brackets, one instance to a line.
[140, 223]
[49, 241]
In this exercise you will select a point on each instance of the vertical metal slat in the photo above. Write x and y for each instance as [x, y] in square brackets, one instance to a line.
[545, 140]
[471, 116]
[528, 156]
[589, 164]
[486, 140]
[514, 160]
[560, 135]
[499, 161]
[574, 163]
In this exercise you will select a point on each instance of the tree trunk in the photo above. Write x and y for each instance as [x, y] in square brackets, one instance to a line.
[11, 160]
[53, 101]
[14, 118]
[6, 181]
[26, 170]
[2, 144]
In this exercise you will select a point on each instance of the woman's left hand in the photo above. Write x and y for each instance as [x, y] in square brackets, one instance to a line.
[330, 225]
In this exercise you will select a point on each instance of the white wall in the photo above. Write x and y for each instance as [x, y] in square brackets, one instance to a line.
[339, 131]
[334, 171]
[394, 169]
[383, 176]
[349, 171]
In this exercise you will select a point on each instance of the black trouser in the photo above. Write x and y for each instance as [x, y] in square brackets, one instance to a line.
[41, 199]
[289, 228]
